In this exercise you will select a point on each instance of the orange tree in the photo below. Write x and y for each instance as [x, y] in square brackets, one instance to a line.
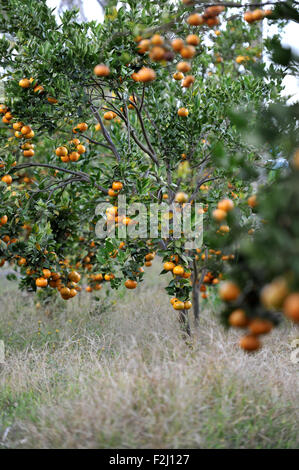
[144, 105]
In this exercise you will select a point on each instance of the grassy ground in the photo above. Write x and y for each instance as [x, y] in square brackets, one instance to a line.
[116, 373]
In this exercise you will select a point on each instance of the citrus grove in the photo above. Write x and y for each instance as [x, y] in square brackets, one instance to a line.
[168, 102]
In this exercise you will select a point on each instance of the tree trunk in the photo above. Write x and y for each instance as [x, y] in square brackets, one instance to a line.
[184, 321]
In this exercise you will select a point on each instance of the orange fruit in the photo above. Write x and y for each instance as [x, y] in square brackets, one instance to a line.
[74, 156]
[178, 270]
[6, 179]
[252, 201]
[183, 112]
[249, 343]
[183, 66]
[108, 115]
[181, 198]
[177, 44]
[101, 70]
[238, 318]
[24, 83]
[74, 276]
[117, 185]
[3, 219]
[25, 130]
[187, 305]
[178, 305]
[168, 266]
[188, 81]
[157, 40]
[146, 74]
[81, 149]
[130, 284]
[219, 214]
[195, 19]
[28, 153]
[258, 326]
[225, 205]
[192, 39]
[178, 76]
[46, 273]
[187, 52]
[229, 291]
[291, 307]
[41, 282]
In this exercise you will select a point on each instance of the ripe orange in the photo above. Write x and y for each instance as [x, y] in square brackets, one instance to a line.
[219, 214]
[24, 83]
[149, 256]
[225, 205]
[74, 276]
[3, 220]
[258, 326]
[183, 67]
[61, 151]
[177, 44]
[178, 270]
[181, 197]
[183, 112]
[188, 81]
[252, 201]
[6, 179]
[112, 193]
[46, 273]
[143, 46]
[146, 75]
[291, 307]
[81, 149]
[82, 126]
[101, 70]
[130, 284]
[25, 130]
[157, 40]
[28, 153]
[187, 52]
[249, 343]
[148, 263]
[74, 156]
[224, 228]
[178, 305]
[178, 76]
[41, 282]
[108, 115]
[88, 289]
[187, 305]
[38, 88]
[229, 291]
[52, 100]
[238, 318]
[117, 185]
[195, 19]
[65, 293]
[30, 135]
[157, 53]
[192, 39]
[168, 266]
[257, 14]
[17, 126]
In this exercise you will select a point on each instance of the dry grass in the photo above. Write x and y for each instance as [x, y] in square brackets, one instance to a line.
[118, 374]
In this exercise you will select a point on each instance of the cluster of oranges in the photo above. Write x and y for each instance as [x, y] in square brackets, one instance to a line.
[67, 290]
[95, 281]
[115, 189]
[256, 15]
[20, 130]
[223, 207]
[31, 82]
[71, 152]
[210, 17]
[209, 279]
